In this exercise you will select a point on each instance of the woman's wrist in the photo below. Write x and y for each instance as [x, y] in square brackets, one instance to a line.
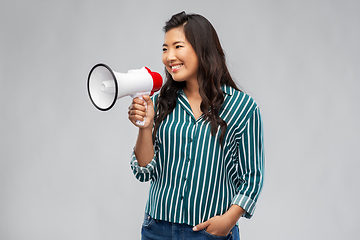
[233, 214]
[144, 148]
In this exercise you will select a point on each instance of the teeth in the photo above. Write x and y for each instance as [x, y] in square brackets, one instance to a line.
[176, 66]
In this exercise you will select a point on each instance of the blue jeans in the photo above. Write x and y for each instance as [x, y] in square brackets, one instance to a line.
[161, 230]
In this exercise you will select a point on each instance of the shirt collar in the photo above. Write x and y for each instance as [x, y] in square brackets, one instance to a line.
[227, 90]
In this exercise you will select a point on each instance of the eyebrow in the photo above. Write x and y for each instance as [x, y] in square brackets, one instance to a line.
[177, 42]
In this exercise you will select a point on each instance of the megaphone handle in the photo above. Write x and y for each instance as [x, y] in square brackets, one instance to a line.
[139, 95]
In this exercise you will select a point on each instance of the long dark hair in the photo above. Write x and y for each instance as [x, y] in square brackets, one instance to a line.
[212, 72]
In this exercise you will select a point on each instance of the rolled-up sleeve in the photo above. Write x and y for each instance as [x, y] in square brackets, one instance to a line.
[251, 162]
[143, 174]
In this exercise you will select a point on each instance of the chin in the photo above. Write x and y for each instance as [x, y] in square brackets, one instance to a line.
[178, 79]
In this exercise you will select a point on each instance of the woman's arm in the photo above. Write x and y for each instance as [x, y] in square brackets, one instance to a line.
[252, 164]
[144, 149]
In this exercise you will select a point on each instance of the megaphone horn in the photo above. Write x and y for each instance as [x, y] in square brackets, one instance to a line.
[105, 86]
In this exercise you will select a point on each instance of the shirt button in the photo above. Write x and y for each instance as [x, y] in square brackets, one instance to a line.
[184, 178]
[182, 197]
[190, 139]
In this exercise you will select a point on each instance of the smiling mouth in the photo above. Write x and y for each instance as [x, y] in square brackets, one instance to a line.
[176, 67]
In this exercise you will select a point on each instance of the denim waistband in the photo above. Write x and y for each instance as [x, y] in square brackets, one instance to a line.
[157, 229]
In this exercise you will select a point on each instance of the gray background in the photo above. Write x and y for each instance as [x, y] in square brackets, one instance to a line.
[64, 165]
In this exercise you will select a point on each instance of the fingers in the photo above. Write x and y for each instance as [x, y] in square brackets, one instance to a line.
[137, 110]
[201, 226]
[138, 103]
[148, 100]
[141, 109]
[136, 115]
[216, 226]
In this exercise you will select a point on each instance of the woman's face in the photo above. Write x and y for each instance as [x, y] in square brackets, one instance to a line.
[179, 56]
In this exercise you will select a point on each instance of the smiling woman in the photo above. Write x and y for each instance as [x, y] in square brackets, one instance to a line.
[212, 71]
[202, 144]
[179, 57]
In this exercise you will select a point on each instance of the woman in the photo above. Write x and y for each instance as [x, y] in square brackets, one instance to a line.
[202, 145]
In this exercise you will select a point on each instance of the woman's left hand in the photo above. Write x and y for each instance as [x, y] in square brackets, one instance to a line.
[222, 225]
[218, 225]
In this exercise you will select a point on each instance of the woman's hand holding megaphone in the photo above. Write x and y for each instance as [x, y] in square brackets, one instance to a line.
[141, 110]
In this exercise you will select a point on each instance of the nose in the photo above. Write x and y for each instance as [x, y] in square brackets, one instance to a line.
[171, 56]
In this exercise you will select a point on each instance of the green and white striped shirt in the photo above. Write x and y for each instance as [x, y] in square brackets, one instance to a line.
[192, 177]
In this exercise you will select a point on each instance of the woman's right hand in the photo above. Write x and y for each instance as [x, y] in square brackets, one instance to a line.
[140, 110]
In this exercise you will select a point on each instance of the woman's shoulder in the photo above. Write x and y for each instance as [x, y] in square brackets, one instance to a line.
[238, 107]
[238, 97]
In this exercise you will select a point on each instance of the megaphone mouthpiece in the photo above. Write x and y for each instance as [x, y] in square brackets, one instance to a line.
[157, 81]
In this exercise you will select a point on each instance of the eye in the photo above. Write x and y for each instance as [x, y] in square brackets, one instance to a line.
[178, 46]
[164, 49]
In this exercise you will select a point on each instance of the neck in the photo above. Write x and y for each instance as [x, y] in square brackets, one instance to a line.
[192, 89]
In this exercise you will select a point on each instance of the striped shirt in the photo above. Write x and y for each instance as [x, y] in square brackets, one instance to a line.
[192, 178]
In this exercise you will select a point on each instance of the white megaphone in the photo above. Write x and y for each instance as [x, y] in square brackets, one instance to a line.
[106, 86]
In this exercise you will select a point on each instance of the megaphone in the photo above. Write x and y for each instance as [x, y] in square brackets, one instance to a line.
[105, 86]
